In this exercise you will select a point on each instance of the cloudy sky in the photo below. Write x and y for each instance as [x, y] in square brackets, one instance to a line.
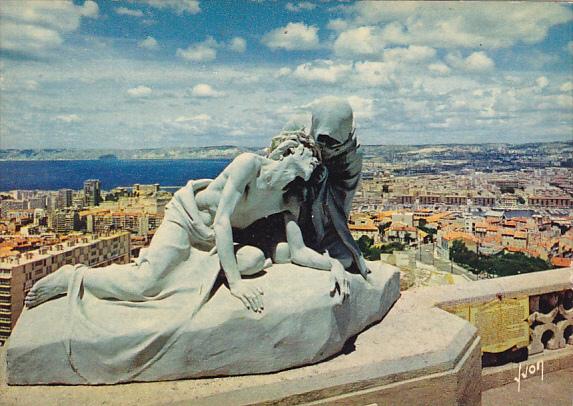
[155, 73]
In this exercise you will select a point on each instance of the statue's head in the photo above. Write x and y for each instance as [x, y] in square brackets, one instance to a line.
[297, 162]
[332, 122]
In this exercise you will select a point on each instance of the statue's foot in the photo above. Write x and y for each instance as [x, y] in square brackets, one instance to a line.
[49, 286]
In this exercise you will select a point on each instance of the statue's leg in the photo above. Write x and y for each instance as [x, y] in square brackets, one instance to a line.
[169, 247]
[250, 260]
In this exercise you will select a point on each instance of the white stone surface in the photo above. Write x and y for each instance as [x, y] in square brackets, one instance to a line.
[301, 324]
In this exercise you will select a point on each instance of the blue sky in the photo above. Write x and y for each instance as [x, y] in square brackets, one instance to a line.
[183, 73]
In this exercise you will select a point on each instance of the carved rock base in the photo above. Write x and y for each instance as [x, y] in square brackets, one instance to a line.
[301, 324]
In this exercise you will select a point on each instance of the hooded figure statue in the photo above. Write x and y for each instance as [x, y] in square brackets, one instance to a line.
[326, 198]
[324, 216]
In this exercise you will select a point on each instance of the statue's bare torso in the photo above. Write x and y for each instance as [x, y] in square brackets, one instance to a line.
[256, 202]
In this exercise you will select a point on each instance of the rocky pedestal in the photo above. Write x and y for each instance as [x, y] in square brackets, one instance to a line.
[300, 325]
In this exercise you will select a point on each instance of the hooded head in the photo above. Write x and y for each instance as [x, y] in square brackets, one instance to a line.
[332, 121]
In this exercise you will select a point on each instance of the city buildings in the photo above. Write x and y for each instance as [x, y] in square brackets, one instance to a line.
[92, 192]
[40, 231]
[19, 271]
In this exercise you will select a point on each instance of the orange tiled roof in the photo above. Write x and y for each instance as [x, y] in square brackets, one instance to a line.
[363, 227]
[401, 227]
[7, 251]
[459, 235]
[561, 262]
[437, 216]
[512, 248]
[520, 219]
[93, 211]
[384, 214]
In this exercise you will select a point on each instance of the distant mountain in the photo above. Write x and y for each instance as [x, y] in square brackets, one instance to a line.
[230, 151]
[216, 152]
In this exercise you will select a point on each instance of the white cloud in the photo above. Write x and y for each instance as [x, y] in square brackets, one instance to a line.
[294, 36]
[459, 24]
[31, 85]
[38, 26]
[413, 53]
[476, 62]
[178, 6]
[566, 87]
[321, 71]
[198, 124]
[479, 61]
[200, 52]
[437, 108]
[148, 43]
[128, 12]
[439, 68]
[139, 91]
[238, 44]
[284, 71]
[205, 90]
[375, 73]
[303, 5]
[358, 41]
[541, 82]
[68, 118]
[338, 24]
[198, 117]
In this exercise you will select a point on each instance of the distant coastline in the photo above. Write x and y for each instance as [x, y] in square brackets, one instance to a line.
[63, 154]
[229, 151]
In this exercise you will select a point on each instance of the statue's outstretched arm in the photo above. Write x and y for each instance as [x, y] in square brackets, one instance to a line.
[300, 254]
[304, 256]
[242, 170]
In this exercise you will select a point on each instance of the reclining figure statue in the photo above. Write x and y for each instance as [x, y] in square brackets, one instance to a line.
[202, 215]
[168, 315]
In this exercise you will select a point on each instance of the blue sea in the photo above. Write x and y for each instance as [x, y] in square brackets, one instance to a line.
[53, 175]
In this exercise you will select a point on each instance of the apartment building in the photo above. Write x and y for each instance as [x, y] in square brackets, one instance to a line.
[19, 272]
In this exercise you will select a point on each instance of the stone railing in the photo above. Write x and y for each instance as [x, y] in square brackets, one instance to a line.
[533, 311]
[551, 321]
[547, 299]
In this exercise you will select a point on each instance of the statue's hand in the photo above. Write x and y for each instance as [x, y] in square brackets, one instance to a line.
[206, 233]
[251, 296]
[339, 281]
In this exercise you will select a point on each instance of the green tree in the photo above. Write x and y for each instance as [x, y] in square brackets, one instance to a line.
[501, 264]
[391, 247]
[364, 243]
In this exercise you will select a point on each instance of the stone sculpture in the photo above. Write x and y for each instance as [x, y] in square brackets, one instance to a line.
[169, 315]
[333, 185]
[202, 216]
[329, 192]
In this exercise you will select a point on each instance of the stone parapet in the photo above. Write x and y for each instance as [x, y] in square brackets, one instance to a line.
[418, 354]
